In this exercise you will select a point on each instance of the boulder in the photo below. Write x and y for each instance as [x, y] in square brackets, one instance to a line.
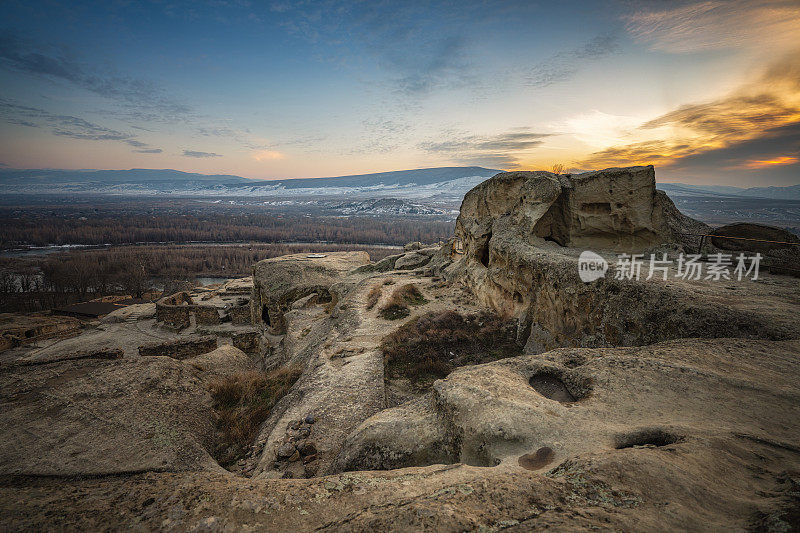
[224, 361]
[384, 265]
[754, 238]
[280, 281]
[131, 313]
[411, 260]
[612, 209]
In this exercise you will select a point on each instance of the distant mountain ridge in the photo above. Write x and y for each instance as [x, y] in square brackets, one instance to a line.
[422, 176]
[418, 183]
[134, 175]
[445, 182]
[789, 192]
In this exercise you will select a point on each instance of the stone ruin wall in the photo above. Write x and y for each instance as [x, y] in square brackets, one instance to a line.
[176, 312]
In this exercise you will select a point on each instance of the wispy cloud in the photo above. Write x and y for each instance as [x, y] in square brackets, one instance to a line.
[564, 65]
[267, 155]
[770, 163]
[60, 125]
[137, 95]
[717, 24]
[149, 151]
[760, 117]
[502, 150]
[421, 46]
[194, 153]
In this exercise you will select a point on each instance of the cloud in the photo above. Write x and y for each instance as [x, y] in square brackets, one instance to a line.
[770, 163]
[499, 150]
[777, 146]
[382, 134]
[20, 122]
[564, 65]
[267, 155]
[241, 136]
[728, 129]
[193, 153]
[68, 126]
[61, 125]
[138, 96]
[421, 46]
[718, 24]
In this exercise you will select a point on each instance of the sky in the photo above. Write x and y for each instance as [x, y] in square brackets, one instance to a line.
[708, 91]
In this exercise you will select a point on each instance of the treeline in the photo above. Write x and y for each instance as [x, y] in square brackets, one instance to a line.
[43, 230]
[44, 282]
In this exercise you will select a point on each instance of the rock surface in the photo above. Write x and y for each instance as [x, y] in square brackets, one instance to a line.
[224, 361]
[638, 405]
[614, 209]
[578, 402]
[99, 417]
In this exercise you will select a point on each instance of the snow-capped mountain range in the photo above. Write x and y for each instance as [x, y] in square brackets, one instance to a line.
[446, 182]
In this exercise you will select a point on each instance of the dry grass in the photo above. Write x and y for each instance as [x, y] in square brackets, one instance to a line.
[431, 346]
[243, 401]
[396, 306]
[373, 296]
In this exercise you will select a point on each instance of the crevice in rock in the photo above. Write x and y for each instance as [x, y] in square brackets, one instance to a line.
[646, 437]
[483, 252]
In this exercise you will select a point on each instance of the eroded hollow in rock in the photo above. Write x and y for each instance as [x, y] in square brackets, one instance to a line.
[646, 437]
[538, 459]
[550, 386]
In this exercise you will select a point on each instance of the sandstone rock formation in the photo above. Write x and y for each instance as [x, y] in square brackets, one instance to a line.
[100, 417]
[614, 209]
[283, 280]
[505, 224]
[637, 405]
[567, 400]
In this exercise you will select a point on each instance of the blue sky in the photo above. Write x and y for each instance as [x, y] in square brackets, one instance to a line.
[707, 91]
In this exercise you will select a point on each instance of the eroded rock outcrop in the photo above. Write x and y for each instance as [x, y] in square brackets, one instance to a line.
[505, 226]
[281, 281]
[614, 209]
[575, 401]
[590, 436]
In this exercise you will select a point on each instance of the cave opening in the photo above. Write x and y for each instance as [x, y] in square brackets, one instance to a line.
[483, 252]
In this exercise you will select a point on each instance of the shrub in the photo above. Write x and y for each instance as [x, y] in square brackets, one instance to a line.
[243, 402]
[396, 306]
[373, 296]
[431, 346]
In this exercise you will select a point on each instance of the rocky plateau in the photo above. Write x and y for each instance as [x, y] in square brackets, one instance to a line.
[472, 385]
